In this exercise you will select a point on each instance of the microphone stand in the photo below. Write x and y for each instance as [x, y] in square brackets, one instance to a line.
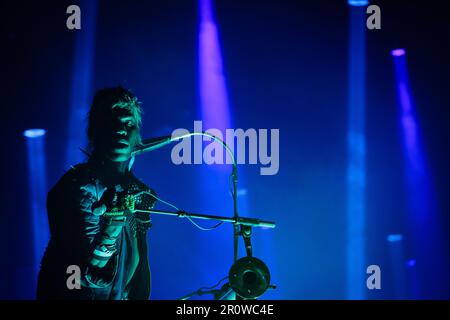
[239, 221]
[242, 226]
[156, 143]
[236, 215]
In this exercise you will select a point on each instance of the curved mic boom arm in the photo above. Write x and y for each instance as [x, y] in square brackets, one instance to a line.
[157, 143]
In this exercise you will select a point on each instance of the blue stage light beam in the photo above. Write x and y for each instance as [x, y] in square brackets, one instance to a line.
[398, 266]
[215, 113]
[425, 232]
[80, 92]
[214, 104]
[35, 141]
[358, 3]
[356, 152]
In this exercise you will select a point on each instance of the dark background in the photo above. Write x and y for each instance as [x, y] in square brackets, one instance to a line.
[286, 66]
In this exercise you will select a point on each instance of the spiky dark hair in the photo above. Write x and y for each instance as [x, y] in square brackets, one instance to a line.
[104, 101]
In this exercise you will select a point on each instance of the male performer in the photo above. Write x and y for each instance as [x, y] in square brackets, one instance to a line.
[110, 250]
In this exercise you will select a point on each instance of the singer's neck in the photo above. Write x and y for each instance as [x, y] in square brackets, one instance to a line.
[114, 167]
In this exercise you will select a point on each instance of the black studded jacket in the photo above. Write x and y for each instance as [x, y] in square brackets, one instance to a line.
[79, 233]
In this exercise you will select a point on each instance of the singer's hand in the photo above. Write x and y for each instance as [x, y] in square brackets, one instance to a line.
[110, 199]
[108, 202]
[110, 227]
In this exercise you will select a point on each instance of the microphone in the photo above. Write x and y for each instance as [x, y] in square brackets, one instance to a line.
[152, 144]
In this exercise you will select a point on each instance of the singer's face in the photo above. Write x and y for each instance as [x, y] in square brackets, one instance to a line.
[121, 135]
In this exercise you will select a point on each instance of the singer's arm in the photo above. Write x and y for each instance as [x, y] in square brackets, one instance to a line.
[76, 220]
[104, 243]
